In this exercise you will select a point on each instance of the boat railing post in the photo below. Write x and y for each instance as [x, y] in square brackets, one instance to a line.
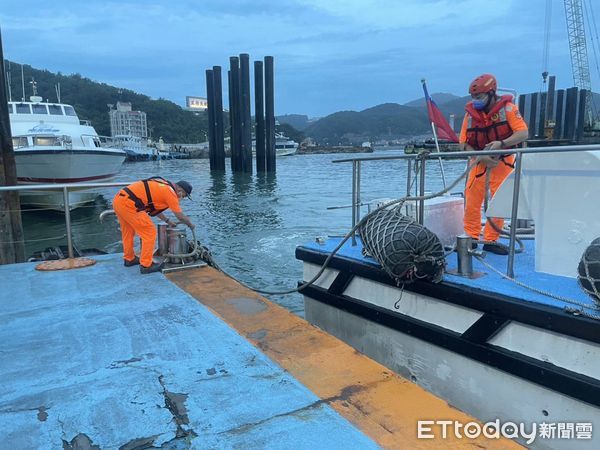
[358, 200]
[408, 180]
[68, 221]
[354, 170]
[421, 214]
[513, 217]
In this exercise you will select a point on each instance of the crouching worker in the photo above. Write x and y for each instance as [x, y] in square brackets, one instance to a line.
[134, 205]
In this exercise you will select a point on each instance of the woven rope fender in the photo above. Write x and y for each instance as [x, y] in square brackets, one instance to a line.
[405, 249]
[588, 271]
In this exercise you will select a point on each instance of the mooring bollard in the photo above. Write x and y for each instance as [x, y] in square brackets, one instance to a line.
[463, 253]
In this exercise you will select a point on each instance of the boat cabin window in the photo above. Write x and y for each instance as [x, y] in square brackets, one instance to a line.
[39, 109]
[46, 140]
[19, 141]
[69, 111]
[10, 108]
[55, 110]
[23, 108]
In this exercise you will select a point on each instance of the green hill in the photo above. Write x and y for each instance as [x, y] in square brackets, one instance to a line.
[90, 99]
[387, 121]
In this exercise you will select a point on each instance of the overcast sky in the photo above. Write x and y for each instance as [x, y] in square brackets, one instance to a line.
[330, 55]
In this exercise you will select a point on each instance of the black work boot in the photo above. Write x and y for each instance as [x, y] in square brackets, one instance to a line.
[155, 267]
[497, 249]
[134, 262]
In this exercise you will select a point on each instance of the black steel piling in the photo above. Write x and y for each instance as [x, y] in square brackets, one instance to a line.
[270, 114]
[219, 156]
[210, 97]
[570, 114]
[558, 114]
[259, 114]
[246, 119]
[581, 119]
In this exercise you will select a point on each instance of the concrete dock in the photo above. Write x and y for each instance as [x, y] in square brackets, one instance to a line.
[105, 358]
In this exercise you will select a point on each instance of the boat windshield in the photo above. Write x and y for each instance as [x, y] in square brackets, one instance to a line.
[23, 108]
[55, 110]
[47, 140]
[69, 111]
[19, 141]
[39, 109]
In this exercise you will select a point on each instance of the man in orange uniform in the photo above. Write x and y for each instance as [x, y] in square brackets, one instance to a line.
[490, 123]
[135, 204]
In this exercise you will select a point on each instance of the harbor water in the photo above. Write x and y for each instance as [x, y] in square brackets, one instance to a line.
[251, 223]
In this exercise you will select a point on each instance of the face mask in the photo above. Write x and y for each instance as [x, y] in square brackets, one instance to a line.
[479, 104]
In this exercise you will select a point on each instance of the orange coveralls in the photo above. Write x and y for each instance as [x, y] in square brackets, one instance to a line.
[475, 188]
[138, 222]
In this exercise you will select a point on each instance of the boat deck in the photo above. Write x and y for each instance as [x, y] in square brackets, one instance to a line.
[103, 356]
[491, 282]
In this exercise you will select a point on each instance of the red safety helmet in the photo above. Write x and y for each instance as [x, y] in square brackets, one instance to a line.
[483, 84]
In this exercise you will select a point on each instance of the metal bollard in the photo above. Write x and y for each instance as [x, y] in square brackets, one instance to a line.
[463, 253]
[163, 241]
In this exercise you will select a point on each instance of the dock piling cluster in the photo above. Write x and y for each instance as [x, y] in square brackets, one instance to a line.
[556, 114]
[240, 119]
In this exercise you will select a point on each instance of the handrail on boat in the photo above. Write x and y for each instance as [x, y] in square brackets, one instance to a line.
[65, 187]
[421, 158]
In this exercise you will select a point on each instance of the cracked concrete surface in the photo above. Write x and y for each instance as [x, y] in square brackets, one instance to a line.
[101, 358]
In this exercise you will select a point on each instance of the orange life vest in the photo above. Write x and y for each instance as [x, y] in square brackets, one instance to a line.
[483, 128]
[148, 205]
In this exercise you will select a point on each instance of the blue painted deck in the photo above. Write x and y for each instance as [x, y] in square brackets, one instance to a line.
[124, 358]
[491, 282]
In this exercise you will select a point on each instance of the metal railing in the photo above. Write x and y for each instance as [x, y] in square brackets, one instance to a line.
[65, 188]
[423, 157]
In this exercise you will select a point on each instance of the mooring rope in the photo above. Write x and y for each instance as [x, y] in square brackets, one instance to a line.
[580, 311]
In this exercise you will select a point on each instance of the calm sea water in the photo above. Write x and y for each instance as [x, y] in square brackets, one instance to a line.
[251, 223]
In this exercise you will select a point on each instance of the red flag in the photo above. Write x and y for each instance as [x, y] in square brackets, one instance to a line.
[443, 129]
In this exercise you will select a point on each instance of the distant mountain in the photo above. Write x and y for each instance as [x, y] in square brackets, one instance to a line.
[90, 99]
[440, 98]
[386, 121]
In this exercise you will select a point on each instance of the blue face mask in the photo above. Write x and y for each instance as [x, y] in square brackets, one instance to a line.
[479, 104]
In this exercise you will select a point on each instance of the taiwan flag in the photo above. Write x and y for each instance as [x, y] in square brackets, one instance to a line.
[443, 129]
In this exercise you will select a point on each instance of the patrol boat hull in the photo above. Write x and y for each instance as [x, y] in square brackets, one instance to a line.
[484, 350]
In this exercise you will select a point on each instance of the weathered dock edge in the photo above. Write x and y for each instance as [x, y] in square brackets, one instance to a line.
[385, 406]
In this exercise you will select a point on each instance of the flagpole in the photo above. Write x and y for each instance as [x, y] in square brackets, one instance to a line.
[437, 145]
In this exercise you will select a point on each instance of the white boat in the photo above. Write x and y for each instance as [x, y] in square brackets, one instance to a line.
[138, 150]
[522, 350]
[52, 145]
[284, 146]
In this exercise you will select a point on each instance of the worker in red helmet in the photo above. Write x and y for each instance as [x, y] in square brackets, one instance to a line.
[491, 123]
[134, 205]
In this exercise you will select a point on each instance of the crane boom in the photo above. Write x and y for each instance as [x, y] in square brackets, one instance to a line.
[578, 49]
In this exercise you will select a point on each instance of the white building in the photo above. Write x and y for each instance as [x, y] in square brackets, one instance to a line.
[124, 121]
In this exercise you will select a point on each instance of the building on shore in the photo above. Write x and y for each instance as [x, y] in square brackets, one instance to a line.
[125, 121]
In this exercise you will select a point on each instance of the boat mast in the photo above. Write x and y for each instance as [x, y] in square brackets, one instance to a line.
[22, 83]
[33, 86]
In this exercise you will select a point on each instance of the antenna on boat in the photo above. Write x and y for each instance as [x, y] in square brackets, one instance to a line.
[33, 86]
[57, 89]
[22, 83]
